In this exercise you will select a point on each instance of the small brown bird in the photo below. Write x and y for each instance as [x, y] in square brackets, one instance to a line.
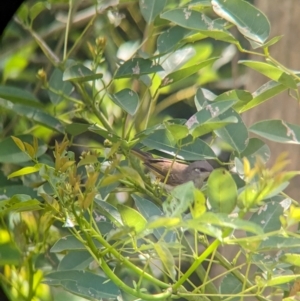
[180, 173]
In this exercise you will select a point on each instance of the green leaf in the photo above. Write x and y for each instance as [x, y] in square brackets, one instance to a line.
[223, 220]
[35, 115]
[236, 135]
[104, 133]
[208, 113]
[63, 88]
[9, 254]
[181, 197]
[75, 260]
[132, 218]
[25, 171]
[178, 131]
[278, 243]
[149, 211]
[185, 72]
[210, 126]
[36, 9]
[272, 72]
[77, 128]
[109, 211]
[241, 97]
[198, 21]
[250, 21]
[166, 259]
[262, 94]
[278, 280]
[127, 99]
[192, 150]
[277, 130]
[200, 100]
[83, 283]
[221, 191]
[151, 9]
[268, 216]
[18, 203]
[80, 73]
[10, 190]
[230, 285]
[256, 148]
[137, 66]
[170, 38]
[70, 242]
[132, 175]
[293, 259]
[11, 153]
[21, 96]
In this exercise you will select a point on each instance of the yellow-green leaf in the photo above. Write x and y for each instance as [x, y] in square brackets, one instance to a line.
[25, 171]
[19, 143]
[132, 218]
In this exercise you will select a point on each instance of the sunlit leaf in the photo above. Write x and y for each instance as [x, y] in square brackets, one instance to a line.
[221, 191]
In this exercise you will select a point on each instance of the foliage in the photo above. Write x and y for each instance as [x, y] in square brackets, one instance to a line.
[80, 213]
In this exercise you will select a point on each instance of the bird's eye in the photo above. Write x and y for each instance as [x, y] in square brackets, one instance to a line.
[200, 169]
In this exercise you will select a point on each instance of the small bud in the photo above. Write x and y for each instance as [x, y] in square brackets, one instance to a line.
[107, 143]
[42, 75]
[101, 42]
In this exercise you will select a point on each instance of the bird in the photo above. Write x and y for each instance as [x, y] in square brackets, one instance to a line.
[173, 173]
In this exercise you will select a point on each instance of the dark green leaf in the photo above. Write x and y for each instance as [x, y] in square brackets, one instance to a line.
[83, 283]
[209, 113]
[236, 135]
[192, 150]
[256, 148]
[75, 260]
[267, 217]
[16, 95]
[151, 8]
[109, 211]
[9, 254]
[198, 21]
[80, 73]
[170, 38]
[104, 133]
[62, 88]
[127, 99]
[35, 115]
[277, 130]
[200, 100]
[262, 94]
[231, 285]
[70, 242]
[136, 67]
[77, 128]
[250, 21]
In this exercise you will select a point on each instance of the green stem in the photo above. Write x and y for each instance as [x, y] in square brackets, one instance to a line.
[68, 29]
[129, 290]
[117, 255]
[98, 114]
[196, 264]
